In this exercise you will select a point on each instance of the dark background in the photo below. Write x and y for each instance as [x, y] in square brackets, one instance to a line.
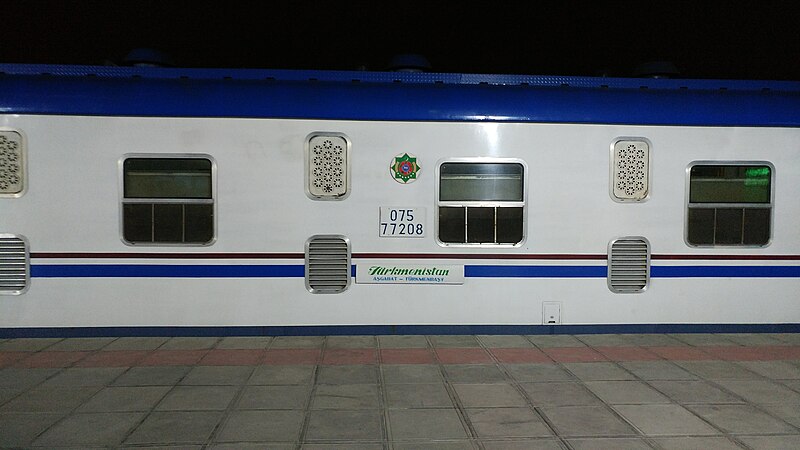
[728, 40]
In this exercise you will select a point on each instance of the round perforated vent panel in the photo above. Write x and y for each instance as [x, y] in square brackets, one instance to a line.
[11, 174]
[327, 166]
[631, 166]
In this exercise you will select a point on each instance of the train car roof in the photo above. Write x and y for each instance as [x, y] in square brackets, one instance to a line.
[393, 96]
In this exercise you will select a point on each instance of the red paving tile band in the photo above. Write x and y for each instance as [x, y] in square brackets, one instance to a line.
[285, 356]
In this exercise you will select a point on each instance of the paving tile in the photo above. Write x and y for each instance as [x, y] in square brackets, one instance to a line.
[90, 429]
[403, 341]
[741, 419]
[423, 373]
[664, 420]
[292, 356]
[28, 344]
[344, 425]
[125, 399]
[510, 341]
[488, 395]
[788, 338]
[555, 340]
[523, 444]
[80, 344]
[347, 374]
[751, 338]
[507, 422]
[479, 373]
[359, 342]
[173, 357]
[717, 370]
[152, 376]
[115, 358]
[7, 394]
[196, 398]
[760, 391]
[339, 356]
[425, 424]
[20, 429]
[560, 394]
[609, 443]
[136, 343]
[459, 341]
[699, 339]
[771, 442]
[343, 446]
[244, 342]
[463, 356]
[625, 392]
[759, 353]
[693, 391]
[266, 426]
[175, 428]
[417, 396]
[292, 342]
[586, 421]
[85, 376]
[282, 375]
[573, 354]
[245, 445]
[190, 343]
[603, 340]
[791, 384]
[776, 370]
[50, 359]
[346, 396]
[680, 353]
[274, 397]
[406, 356]
[17, 378]
[653, 339]
[519, 355]
[9, 358]
[657, 370]
[432, 445]
[696, 443]
[217, 375]
[598, 371]
[166, 447]
[785, 411]
[50, 399]
[627, 354]
[233, 357]
[538, 372]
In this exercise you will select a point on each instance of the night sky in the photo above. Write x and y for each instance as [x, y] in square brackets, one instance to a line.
[723, 40]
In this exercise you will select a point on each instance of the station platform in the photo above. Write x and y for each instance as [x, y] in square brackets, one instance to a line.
[612, 391]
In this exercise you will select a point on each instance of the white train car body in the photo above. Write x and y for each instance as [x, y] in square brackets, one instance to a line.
[176, 201]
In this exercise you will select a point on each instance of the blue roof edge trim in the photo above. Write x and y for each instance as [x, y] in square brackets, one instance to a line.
[393, 96]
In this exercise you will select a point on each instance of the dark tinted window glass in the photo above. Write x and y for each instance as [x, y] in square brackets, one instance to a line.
[167, 178]
[509, 225]
[729, 226]
[480, 225]
[481, 182]
[168, 223]
[452, 224]
[756, 226]
[729, 184]
[137, 222]
[701, 226]
[199, 223]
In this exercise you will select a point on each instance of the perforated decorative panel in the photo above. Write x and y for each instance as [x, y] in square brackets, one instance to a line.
[630, 170]
[327, 166]
[14, 264]
[628, 264]
[327, 264]
[11, 163]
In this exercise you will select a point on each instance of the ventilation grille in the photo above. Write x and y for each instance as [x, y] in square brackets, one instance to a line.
[11, 173]
[628, 265]
[327, 264]
[631, 166]
[14, 265]
[327, 171]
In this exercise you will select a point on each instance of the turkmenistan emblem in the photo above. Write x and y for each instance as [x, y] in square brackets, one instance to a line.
[404, 168]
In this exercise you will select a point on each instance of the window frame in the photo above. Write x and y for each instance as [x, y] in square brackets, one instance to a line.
[123, 200]
[479, 203]
[771, 204]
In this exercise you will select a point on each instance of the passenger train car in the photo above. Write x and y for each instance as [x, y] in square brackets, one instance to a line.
[138, 201]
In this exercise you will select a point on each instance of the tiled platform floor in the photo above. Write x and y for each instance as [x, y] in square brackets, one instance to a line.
[688, 391]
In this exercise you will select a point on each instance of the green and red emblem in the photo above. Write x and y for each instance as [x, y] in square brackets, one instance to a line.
[404, 168]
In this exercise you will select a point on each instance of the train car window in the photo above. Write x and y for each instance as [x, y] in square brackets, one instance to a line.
[729, 204]
[167, 200]
[481, 203]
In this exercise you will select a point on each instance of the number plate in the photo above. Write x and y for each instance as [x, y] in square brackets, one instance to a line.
[402, 222]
